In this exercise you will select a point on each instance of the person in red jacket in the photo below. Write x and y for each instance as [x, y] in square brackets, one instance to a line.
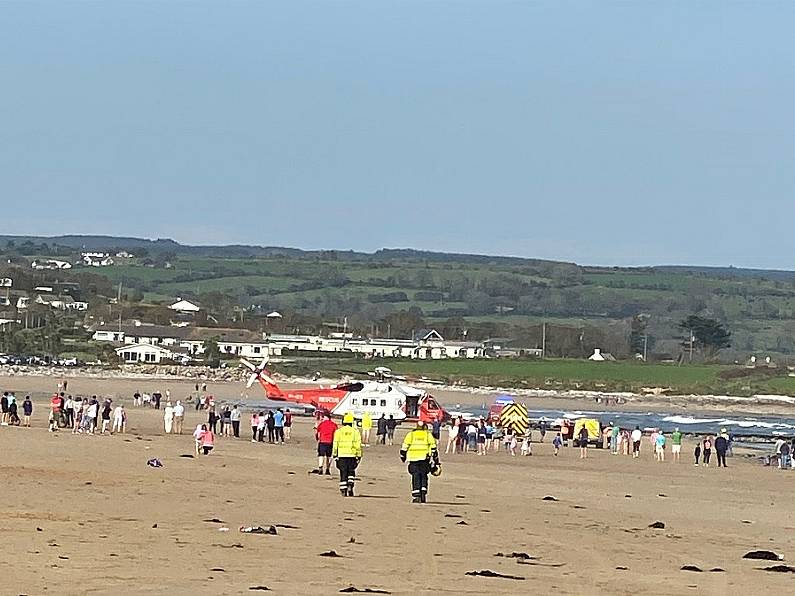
[325, 440]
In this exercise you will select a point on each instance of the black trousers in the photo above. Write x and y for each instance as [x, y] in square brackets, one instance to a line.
[279, 434]
[721, 458]
[253, 433]
[236, 427]
[271, 434]
[261, 435]
[707, 453]
[347, 468]
[419, 471]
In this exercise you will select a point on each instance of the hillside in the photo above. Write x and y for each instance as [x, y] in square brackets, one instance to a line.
[465, 296]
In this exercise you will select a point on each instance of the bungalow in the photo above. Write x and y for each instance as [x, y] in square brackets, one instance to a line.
[50, 264]
[159, 335]
[185, 306]
[240, 342]
[96, 259]
[146, 353]
[108, 335]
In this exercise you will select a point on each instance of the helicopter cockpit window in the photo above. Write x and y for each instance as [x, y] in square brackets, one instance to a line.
[356, 386]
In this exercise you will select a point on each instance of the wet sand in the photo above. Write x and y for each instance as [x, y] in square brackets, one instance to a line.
[84, 514]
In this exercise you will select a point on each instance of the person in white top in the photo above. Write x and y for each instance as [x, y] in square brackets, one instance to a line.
[118, 419]
[452, 437]
[179, 416]
[637, 435]
[197, 437]
[168, 417]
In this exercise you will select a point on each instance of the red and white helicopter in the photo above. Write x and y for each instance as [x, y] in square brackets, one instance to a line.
[382, 396]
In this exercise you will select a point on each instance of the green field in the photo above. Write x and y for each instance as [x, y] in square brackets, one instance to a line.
[578, 374]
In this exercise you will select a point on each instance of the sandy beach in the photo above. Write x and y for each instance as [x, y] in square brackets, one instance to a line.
[86, 515]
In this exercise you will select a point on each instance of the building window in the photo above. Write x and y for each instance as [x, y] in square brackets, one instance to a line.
[256, 349]
[383, 403]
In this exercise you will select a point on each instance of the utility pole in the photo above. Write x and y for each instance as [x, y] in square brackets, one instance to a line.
[543, 340]
[645, 346]
[691, 345]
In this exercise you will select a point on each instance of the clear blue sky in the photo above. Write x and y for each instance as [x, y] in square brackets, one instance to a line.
[605, 133]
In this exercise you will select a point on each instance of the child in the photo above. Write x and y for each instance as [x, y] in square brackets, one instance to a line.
[697, 452]
[197, 436]
[513, 445]
[527, 447]
[557, 442]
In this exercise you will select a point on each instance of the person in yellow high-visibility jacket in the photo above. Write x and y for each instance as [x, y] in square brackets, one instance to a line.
[419, 449]
[367, 425]
[347, 449]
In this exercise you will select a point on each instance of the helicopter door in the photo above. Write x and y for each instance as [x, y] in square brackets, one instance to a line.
[412, 406]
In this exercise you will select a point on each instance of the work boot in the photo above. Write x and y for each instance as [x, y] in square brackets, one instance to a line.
[328, 473]
[350, 491]
[423, 498]
[343, 492]
[416, 500]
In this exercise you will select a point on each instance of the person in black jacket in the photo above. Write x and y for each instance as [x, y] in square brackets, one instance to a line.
[721, 447]
[381, 429]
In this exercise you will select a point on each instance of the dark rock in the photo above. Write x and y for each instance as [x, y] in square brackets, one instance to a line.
[657, 525]
[717, 570]
[462, 523]
[214, 520]
[549, 498]
[260, 588]
[779, 569]
[221, 569]
[451, 515]
[763, 555]
[489, 573]
[330, 553]
[692, 568]
[352, 590]
[621, 568]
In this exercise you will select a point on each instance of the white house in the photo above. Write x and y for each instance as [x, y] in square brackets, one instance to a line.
[50, 264]
[108, 335]
[145, 353]
[96, 259]
[185, 306]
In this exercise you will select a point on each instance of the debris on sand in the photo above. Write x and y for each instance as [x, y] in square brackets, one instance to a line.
[260, 588]
[692, 568]
[352, 590]
[658, 525]
[717, 570]
[451, 515]
[258, 530]
[537, 564]
[330, 553]
[779, 568]
[549, 498]
[489, 573]
[188, 455]
[515, 555]
[462, 523]
[621, 568]
[221, 569]
[214, 520]
[763, 555]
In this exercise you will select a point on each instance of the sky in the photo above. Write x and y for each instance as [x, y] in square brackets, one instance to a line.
[611, 133]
